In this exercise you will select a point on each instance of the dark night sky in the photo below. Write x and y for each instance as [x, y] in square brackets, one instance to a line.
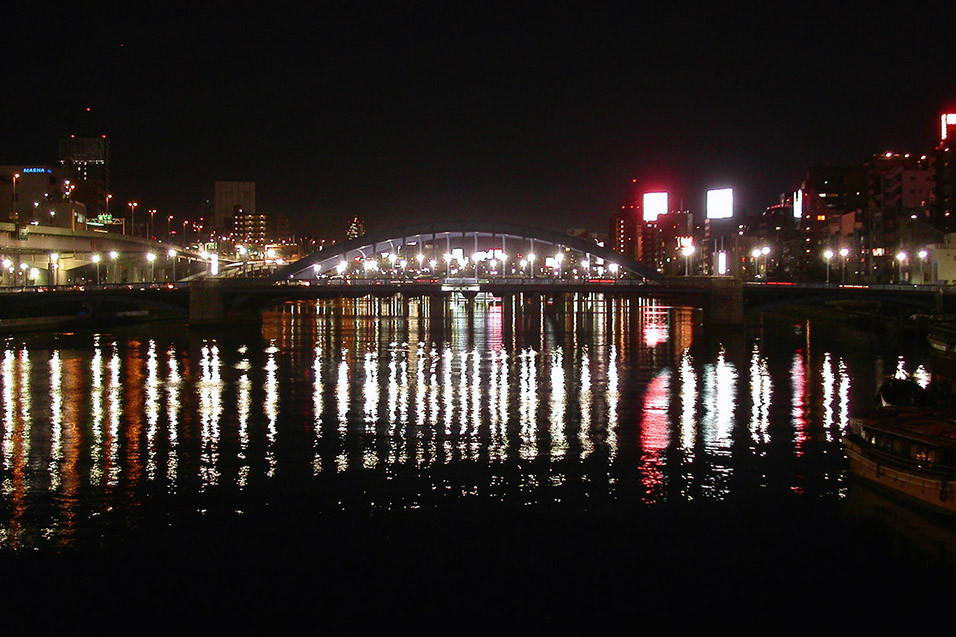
[538, 113]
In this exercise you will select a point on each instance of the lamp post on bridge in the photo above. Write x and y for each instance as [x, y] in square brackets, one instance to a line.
[96, 260]
[828, 254]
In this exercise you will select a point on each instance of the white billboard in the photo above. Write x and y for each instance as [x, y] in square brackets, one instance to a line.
[655, 205]
[720, 203]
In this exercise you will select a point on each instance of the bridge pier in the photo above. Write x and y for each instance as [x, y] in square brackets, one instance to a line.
[726, 302]
[206, 305]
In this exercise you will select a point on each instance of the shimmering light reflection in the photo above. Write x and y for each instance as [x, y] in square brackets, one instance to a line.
[56, 425]
[528, 405]
[719, 395]
[210, 411]
[271, 409]
[558, 403]
[798, 381]
[655, 434]
[152, 408]
[575, 405]
[761, 387]
[173, 406]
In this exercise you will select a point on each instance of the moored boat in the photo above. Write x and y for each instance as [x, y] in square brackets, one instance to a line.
[909, 452]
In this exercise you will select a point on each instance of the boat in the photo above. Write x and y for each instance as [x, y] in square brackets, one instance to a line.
[906, 450]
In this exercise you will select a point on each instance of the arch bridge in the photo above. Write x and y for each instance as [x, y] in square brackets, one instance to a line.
[466, 249]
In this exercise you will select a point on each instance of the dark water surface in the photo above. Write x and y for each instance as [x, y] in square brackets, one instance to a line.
[346, 465]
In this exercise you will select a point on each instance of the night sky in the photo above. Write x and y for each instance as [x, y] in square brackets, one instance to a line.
[534, 113]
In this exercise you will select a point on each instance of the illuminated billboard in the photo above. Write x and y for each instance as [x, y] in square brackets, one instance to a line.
[655, 205]
[720, 203]
[947, 120]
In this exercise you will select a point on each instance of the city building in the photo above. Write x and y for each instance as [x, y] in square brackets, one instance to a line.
[223, 200]
[37, 194]
[85, 164]
[259, 229]
[623, 233]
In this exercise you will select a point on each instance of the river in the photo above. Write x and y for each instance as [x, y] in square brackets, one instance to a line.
[346, 460]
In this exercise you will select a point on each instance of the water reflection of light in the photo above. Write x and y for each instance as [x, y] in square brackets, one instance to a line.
[719, 397]
[210, 411]
[827, 382]
[342, 408]
[655, 434]
[585, 397]
[761, 387]
[613, 397]
[114, 413]
[655, 326]
[56, 425]
[559, 443]
[271, 408]
[173, 407]
[152, 408]
[688, 414]
[528, 405]
[798, 410]
[317, 408]
[844, 396]
[96, 412]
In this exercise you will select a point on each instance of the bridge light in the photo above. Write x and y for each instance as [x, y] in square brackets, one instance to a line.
[901, 256]
[828, 254]
[340, 268]
[765, 250]
[923, 254]
[96, 258]
[54, 257]
[114, 254]
[613, 267]
[171, 253]
[315, 269]
[755, 253]
[402, 263]
[433, 263]
[420, 257]
[844, 252]
[150, 256]
[7, 263]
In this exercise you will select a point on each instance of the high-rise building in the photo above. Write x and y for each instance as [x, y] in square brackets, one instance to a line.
[223, 200]
[85, 164]
[623, 230]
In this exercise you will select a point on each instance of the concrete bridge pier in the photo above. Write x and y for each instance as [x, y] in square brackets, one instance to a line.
[726, 302]
[206, 305]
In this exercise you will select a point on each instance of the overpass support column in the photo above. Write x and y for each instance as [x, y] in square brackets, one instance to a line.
[205, 303]
[726, 301]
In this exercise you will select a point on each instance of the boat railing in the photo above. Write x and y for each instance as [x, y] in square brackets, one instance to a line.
[930, 469]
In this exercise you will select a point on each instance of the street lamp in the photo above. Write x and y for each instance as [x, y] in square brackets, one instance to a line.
[96, 260]
[171, 254]
[54, 258]
[688, 251]
[828, 254]
[152, 214]
[844, 252]
[16, 217]
[901, 256]
[113, 256]
[151, 258]
[558, 259]
[922, 257]
[531, 258]
[132, 217]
